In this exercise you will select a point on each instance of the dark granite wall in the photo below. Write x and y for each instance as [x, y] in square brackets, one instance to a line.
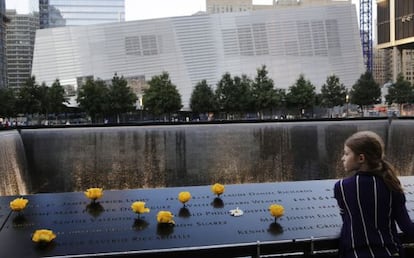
[72, 159]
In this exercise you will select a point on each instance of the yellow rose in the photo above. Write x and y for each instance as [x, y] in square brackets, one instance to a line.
[43, 235]
[165, 217]
[94, 193]
[217, 189]
[276, 210]
[18, 204]
[139, 207]
[184, 197]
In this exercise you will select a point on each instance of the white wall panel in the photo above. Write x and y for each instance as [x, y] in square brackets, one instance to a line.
[314, 41]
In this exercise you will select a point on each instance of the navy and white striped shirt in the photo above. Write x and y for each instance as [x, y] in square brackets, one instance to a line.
[369, 213]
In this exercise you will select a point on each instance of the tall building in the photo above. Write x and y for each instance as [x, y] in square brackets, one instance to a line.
[314, 41]
[229, 6]
[20, 39]
[49, 16]
[395, 31]
[3, 60]
[58, 13]
[407, 67]
[20, 32]
[382, 66]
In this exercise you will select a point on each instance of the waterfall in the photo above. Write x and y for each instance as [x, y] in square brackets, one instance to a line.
[127, 157]
[13, 167]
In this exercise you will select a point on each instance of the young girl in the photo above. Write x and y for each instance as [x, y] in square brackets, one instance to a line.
[371, 201]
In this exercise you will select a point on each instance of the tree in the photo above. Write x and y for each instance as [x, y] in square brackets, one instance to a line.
[224, 90]
[121, 97]
[7, 102]
[280, 97]
[365, 91]
[57, 98]
[333, 93]
[263, 93]
[162, 97]
[301, 95]
[202, 98]
[44, 101]
[400, 92]
[234, 95]
[243, 93]
[93, 98]
[28, 100]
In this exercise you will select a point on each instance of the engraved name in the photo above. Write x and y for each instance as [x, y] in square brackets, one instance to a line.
[211, 223]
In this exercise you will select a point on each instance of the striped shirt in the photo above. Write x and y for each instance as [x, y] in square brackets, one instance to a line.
[369, 213]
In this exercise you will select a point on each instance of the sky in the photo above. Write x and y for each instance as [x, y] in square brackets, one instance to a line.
[150, 9]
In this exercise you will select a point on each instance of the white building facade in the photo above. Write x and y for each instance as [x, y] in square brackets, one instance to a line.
[313, 41]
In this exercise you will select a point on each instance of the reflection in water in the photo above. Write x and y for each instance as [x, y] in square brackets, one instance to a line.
[95, 209]
[275, 228]
[43, 248]
[218, 203]
[19, 219]
[165, 229]
[140, 224]
[184, 213]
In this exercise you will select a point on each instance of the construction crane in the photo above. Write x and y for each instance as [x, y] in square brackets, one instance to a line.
[365, 30]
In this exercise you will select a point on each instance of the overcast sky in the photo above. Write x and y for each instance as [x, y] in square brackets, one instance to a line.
[149, 9]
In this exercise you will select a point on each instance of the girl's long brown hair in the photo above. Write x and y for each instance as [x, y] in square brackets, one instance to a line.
[371, 146]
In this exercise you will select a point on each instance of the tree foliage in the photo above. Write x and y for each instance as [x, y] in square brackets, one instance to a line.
[234, 95]
[28, 97]
[32, 98]
[301, 95]
[93, 98]
[120, 96]
[202, 98]
[263, 93]
[333, 92]
[224, 93]
[244, 92]
[7, 102]
[280, 97]
[162, 97]
[365, 91]
[56, 97]
[400, 92]
[43, 98]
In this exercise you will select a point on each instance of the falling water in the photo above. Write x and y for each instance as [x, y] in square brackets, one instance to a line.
[69, 159]
[72, 159]
[13, 168]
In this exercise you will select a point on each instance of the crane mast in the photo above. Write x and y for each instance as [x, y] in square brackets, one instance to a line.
[365, 27]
